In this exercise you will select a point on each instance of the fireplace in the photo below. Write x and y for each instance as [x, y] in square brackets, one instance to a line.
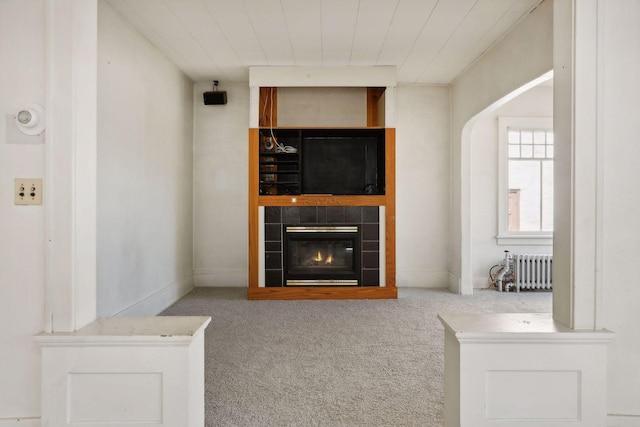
[322, 255]
[367, 256]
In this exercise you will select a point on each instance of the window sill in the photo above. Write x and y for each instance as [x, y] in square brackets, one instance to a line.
[528, 240]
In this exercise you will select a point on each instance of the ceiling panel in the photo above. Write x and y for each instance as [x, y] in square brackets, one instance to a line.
[442, 24]
[195, 17]
[452, 58]
[270, 27]
[429, 41]
[409, 19]
[174, 56]
[486, 25]
[339, 18]
[234, 22]
[122, 8]
[191, 52]
[303, 18]
[500, 27]
[158, 16]
[374, 20]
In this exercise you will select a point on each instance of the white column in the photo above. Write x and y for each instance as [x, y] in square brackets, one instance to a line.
[254, 103]
[577, 204]
[70, 184]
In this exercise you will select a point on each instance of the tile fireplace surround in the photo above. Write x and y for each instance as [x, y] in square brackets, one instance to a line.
[367, 218]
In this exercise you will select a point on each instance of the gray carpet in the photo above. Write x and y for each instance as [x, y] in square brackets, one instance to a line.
[332, 363]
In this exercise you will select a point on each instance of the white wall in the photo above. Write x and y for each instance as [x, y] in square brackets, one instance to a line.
[620, 127]
[145, 174]
[422, 185]
[523, 55]
[536, 102]
[325, 106]
[22, 243]
[221, 187]
[221, 196]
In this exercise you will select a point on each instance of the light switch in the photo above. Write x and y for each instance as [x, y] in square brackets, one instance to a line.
[28, 191]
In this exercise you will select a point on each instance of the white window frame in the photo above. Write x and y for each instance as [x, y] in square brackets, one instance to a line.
[506, 237]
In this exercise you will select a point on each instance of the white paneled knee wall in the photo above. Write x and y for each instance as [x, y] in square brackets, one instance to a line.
[125, 371]
[523, 370]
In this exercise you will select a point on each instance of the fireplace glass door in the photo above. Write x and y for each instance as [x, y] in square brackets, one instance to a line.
[322, 256]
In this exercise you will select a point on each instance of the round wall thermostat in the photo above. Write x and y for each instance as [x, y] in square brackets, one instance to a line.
[30, 120]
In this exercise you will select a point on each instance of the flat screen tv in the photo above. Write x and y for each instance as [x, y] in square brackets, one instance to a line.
[343, 164]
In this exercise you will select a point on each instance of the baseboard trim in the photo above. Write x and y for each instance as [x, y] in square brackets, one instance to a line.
[422, 278]
[223, 278]
[621, 420]
[160, 300]
[454, 283]
[20, 422]
[480, 282]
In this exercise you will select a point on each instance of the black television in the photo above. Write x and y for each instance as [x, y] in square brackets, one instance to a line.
[343, 164]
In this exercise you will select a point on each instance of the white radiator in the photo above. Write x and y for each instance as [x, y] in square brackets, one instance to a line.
[532, 271]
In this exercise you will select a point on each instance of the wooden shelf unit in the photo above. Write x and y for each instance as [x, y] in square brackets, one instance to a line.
[268, 100]
[268, 97]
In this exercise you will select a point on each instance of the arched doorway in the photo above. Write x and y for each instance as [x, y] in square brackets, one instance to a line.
[466, 182]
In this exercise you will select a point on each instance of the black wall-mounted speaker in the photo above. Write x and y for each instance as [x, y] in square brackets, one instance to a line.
[215, 98]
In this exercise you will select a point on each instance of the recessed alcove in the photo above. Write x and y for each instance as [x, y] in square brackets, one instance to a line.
[322, 106]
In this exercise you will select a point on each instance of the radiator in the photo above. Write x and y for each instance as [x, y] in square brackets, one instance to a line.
[532, 271]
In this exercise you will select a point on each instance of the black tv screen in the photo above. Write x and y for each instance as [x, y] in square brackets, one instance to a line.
[342, 165]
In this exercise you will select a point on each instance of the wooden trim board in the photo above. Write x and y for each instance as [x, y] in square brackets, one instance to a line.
[319, 292]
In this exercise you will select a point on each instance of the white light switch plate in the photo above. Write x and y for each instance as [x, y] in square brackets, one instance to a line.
[28, 191]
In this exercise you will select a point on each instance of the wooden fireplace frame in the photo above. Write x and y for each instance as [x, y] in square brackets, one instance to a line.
[387, 290]
[388, 200]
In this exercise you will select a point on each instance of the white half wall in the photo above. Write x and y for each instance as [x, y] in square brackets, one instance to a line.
[145, 173]
[125, 371]
[536, 102]
[22, 241]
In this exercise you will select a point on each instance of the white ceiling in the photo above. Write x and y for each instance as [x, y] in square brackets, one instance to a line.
[429, 41]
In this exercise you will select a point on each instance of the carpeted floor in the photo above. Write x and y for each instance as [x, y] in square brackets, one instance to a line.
[332, 363]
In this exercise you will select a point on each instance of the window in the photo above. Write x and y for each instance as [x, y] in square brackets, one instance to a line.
[526, 181]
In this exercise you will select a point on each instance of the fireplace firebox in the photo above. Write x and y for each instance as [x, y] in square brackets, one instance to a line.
[322, 255]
